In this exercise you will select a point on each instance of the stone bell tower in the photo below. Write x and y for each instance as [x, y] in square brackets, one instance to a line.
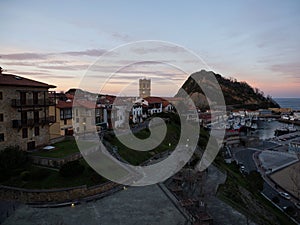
[145, 87]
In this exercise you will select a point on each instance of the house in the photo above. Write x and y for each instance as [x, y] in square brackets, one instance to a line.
[63, 110]
[25, 118]
[155, 105]
[83, 113]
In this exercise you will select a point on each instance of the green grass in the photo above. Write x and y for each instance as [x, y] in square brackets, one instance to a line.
[230, 193]
[138, 157]
[62, 149]
[44, 178]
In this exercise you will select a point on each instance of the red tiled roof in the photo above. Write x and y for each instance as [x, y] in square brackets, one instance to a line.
[154, 99]
[14, 80]
[64, 104]
[69, 96]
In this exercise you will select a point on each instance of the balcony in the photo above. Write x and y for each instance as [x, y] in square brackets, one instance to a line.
[31, 103]
[31, 122]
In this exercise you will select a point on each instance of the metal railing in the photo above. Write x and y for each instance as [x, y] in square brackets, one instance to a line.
[33, 122]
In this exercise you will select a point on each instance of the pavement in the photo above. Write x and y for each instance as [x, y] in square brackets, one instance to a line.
[147, 205]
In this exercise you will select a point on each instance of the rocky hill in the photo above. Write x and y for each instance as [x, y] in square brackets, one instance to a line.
[236, 94]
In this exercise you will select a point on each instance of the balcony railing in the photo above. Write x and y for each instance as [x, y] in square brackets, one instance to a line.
[32, 122]
[31, 102]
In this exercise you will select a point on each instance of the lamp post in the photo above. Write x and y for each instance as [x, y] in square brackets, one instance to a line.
[84, 129]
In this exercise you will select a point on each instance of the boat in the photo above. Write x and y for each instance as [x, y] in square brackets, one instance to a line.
[285, 130]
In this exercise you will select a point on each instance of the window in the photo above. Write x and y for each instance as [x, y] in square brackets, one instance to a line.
[65, 122]
[77, 120]
[24, 117]
[66, 114]
[76, 112]
[36, 131]
[23, 98]
[1, 137]
[36, 116]
[1, 95]
[1, 117]
[24, 133]
[35, 98]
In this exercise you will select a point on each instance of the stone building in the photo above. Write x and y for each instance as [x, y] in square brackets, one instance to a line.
[144, 88]
[24, 112]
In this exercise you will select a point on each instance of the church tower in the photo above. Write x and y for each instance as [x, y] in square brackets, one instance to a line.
[145, 87]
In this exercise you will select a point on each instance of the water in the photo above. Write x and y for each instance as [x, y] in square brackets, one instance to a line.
[267, 129]
[293, 103]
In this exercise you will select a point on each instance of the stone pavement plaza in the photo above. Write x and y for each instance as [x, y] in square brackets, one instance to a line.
[147, 205]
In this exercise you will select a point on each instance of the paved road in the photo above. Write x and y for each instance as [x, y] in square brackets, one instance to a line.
[245, 156]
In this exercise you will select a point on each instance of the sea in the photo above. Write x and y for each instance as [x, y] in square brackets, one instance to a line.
[293, 103]
[267, 128]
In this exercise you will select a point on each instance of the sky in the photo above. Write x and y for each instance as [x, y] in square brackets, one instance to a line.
[58, 42]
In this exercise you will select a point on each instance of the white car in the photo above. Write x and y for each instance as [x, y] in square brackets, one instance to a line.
[285, 195]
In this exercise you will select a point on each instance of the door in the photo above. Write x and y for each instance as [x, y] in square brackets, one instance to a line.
[31, 145]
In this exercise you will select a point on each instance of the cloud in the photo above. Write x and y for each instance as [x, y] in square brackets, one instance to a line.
[121, 37]
[287, 69]
[164, 48]
[45, 56]
[24, 56]
[88, 52]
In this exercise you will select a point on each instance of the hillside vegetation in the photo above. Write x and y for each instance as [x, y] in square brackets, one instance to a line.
[236, 94]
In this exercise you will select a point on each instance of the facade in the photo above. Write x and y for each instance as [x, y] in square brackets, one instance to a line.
[63, 125]
[25, 117]
[144, 88]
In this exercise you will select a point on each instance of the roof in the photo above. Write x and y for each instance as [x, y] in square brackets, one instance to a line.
[64, 104]
[154, 99]
[15, 80]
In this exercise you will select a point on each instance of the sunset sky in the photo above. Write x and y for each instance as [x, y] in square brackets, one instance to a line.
[253, 41]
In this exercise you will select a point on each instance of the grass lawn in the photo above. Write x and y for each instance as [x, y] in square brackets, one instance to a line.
[254, 205]
[137, 157]
[44, 178]
[62, 149]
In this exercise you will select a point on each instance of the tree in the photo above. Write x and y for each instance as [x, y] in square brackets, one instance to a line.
[71, 169]
[12, 159]
[255, 180]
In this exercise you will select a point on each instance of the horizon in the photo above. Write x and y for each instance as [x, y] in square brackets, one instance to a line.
[59, 46]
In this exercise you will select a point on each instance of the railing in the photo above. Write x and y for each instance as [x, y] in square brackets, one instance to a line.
[31, 102]
[32, 122]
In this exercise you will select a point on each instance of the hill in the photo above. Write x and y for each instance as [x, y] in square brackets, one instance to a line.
[236, 94]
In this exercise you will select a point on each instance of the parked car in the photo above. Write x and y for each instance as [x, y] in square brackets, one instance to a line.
[297, 205]
[285, 195]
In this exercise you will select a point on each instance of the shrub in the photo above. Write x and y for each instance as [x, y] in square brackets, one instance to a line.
[25, 175]
[71, 169]
[12, 161]
[39, 174]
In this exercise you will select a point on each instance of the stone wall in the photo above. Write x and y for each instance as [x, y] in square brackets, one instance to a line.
[54, 195]
[55, 162]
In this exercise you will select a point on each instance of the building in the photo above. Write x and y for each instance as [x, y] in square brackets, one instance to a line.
[144, 88]
[24, 113]
[63, 110]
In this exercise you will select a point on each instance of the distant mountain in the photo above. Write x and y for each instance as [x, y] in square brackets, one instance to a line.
[236, 94]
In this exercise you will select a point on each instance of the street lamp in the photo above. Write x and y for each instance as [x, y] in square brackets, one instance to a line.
[84, 128]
